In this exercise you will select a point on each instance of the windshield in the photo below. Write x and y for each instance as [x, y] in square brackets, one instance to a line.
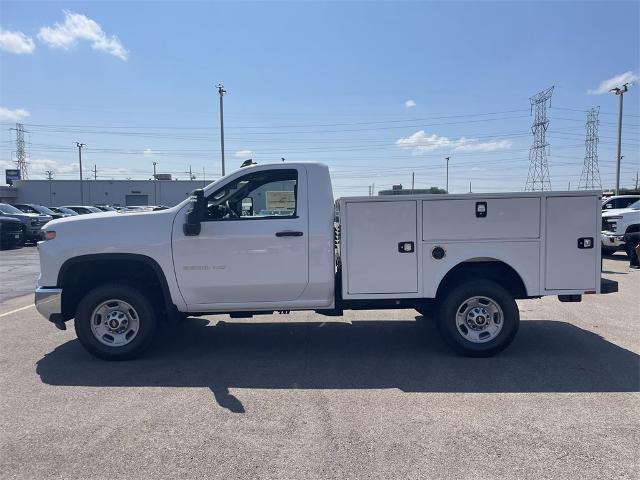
[9, 209]
[635, 205]
[66, 211]
[35, 209]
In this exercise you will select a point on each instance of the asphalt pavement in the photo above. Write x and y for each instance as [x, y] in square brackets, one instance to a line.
[374, 394]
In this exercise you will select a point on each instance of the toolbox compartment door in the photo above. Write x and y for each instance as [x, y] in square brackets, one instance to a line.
[379, 236]
[570, 221]
[452, 219]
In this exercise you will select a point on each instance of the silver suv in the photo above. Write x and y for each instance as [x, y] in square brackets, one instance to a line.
[33, 222]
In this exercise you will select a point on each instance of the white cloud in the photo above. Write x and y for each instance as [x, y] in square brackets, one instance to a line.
[420, 143]
[410, 103]
[244, 153]
[148, 152]
[17, 115]
[16, 42]
[617, 81]
[37, 167]
[79, 27]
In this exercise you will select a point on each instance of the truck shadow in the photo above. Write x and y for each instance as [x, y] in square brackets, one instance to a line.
[547, 356]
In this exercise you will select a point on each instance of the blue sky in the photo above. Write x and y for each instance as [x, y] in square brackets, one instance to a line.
[326, 81]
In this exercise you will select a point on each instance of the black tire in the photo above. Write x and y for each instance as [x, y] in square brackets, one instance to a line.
[455, 299]
[609, 250]
[146, 315]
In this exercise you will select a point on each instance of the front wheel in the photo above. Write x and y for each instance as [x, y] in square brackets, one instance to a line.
[115, 322]
[478, 318]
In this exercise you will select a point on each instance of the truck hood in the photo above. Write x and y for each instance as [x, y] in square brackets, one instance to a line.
[104, 222]
[618, 211]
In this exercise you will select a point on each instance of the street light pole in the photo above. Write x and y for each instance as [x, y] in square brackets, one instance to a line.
[80, 145]
[619, 91]
[155, 187]
[221, 92]
[447, 159]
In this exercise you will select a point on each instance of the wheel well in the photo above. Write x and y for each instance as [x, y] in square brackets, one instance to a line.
[82, 274]
[633, 228]
[490, 269]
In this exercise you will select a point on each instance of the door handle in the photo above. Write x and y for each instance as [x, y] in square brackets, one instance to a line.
[289, 233]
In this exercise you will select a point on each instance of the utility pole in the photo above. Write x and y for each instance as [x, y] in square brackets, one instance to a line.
[469, 186]
[95, 171]
[50, 177]
[21, 153]
[619, 91]
[413, 178]
[636, 180]
[447, 159]
[538, 177]
[155, 185]
[590, 177]
[221, 92]
[80, 146]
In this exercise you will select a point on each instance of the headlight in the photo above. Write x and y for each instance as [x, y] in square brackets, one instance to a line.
[34, 222]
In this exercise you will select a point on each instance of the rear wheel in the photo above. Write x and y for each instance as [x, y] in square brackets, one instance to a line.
[478, 318]
[115, 322]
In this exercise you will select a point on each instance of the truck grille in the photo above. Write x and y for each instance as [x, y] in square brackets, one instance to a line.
[11, 227]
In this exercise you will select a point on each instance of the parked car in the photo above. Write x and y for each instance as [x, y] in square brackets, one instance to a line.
[64, 211]
[618, 201]
[11, 233]
[464, 258]
[33, 208]
[83, 209]
[105, 208]
[138, 208]
[615, 223]
[32, 222]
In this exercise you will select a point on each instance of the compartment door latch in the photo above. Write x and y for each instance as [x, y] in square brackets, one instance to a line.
[406, 247]
[585, 242]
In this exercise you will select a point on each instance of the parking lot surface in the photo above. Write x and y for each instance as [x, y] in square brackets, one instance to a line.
[373, 395]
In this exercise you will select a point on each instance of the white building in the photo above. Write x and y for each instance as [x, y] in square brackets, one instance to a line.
[99, 192]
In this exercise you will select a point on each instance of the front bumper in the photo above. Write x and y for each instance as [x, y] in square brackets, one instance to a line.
[49, 303]
[611, 239]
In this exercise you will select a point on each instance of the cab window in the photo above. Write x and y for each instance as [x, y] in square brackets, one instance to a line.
[256, 195]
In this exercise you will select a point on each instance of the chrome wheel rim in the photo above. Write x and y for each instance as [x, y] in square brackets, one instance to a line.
[479, 319]
[115, 323]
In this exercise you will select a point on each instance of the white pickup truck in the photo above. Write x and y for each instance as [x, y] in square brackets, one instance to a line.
[269, 238]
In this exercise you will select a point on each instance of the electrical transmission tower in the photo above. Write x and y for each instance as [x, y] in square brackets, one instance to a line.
[21, 154]
[590, 177]
[538, 178]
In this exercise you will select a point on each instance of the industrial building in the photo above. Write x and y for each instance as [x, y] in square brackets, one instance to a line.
[99, 192]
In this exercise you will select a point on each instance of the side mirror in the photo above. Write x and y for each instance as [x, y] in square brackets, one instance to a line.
[193, 225]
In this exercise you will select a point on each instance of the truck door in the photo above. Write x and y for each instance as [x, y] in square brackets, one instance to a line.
[253, 246]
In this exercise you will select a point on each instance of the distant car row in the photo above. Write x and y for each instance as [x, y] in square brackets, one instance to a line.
[22, 222]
